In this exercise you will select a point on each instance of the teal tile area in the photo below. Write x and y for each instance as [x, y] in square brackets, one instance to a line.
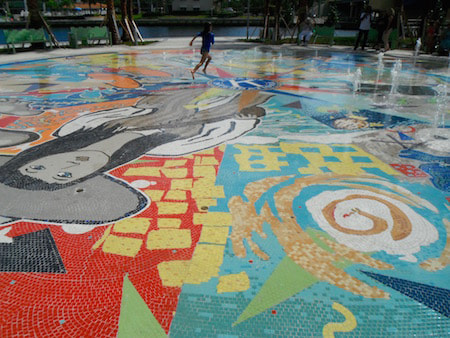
[331, 159]
[310, 150]
[300, 316]
[325, 169]
[309, 310]
[343, 149]
[361, 159]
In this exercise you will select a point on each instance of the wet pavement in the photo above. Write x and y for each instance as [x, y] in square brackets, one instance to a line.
[287, 191]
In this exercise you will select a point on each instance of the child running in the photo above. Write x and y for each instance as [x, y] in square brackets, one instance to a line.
[207, 40]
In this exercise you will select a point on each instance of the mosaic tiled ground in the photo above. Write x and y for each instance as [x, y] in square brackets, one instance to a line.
[286, 192]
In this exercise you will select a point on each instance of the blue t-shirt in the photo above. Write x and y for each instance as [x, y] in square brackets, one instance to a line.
[207, 40]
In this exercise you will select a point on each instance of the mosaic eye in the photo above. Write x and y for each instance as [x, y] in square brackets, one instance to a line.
[37, 167]
[64, 174]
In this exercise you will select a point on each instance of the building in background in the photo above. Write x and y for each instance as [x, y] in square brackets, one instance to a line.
[193, 5]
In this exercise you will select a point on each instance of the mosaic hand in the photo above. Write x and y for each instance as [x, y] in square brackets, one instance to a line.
[243, 226]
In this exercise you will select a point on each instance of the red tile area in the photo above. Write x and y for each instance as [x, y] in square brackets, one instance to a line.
[409, 170]
[5, 121]
[86, 298]
[86, 301]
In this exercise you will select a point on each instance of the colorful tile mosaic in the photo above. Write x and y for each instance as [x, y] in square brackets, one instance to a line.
[273, 195]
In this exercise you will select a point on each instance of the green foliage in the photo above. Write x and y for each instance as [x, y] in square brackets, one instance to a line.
[144, 43]
[66, 3]
[256, 6]
[333, 15]
[53, 5]
[236, 5]
[406, 43]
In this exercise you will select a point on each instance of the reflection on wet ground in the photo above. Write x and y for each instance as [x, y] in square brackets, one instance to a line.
[284, 191]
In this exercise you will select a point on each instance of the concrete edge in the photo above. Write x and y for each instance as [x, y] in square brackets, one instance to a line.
[183, 42]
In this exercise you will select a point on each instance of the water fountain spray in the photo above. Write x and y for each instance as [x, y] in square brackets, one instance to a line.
[441, 106]
[380, 68]
[417, 49]
[395, 72]
[357, 80]
[380, 64]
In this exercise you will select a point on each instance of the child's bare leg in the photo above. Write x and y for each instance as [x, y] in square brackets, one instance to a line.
[195, 69]
[208, 60]
[202, 60]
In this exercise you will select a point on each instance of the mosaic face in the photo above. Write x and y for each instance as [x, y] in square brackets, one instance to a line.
[288, 191]
[65, 167]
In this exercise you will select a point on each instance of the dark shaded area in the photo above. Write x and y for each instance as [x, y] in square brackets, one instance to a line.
[433, 297]
[405, 90]
[34, 252]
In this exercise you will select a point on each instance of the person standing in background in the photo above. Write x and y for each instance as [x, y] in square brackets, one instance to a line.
[207, 40]
[389, 26]
[364, 27]
[307, 31]
[380, 27]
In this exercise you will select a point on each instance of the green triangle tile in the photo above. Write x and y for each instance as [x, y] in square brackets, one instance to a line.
[136, 319]
[285, 281]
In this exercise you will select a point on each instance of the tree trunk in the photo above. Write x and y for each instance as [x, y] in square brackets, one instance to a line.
[266, 19]
[126, 34]
[36, 20]
[276, 34]
[134, 28]
[112, 22]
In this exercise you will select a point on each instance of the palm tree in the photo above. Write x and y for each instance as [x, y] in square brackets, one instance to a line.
[276, 33]
[266, 18]
[36, 20]
[111, 21]
[127, 34]
[129, 27]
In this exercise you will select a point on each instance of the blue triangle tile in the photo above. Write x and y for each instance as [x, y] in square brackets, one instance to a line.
[404, 137]
[433, 297]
